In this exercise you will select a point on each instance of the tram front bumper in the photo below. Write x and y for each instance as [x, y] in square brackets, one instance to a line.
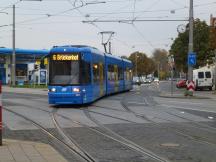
[62, 98]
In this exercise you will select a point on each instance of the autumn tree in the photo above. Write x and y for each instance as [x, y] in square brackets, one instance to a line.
[160, 57]
[145, 65]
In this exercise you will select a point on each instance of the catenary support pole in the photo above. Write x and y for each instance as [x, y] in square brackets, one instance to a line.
[13, 65]
[190, 45]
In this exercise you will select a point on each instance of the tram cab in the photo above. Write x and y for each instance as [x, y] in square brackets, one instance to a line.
[76, 75]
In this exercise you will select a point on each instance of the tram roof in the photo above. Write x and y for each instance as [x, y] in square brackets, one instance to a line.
[76, 48]
[9, 51]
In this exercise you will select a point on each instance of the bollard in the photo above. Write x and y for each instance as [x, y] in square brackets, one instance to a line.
[1, 123]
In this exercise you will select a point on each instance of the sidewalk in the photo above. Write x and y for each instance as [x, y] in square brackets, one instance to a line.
[23, 151]
[25, 90]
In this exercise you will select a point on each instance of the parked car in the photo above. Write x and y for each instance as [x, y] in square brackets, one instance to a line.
[136, 80]
[156, 80]
[148, 80]
[181, 83]
[203, 78]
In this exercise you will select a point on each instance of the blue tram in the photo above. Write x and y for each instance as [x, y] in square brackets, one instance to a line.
[82, 74]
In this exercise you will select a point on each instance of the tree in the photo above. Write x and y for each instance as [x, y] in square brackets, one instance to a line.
[179, 47]
[144, 64]
[160, 57]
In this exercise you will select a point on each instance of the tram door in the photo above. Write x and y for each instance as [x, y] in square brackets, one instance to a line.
[116, 77]
[101, 79]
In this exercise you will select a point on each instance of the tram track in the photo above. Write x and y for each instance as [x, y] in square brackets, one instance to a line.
[67, 142]
[178, 131]
[104, 131]
[171, 128]
[125, 141]
[198, 125]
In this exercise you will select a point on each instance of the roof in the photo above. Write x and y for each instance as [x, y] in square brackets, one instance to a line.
[9, 51]
[75, 48]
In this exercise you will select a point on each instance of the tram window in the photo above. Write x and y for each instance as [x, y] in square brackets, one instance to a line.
[125, 74]
[120, 73]
[85, 72]
[111, 74]
[96, 76]
[130, 74]
[64, 72]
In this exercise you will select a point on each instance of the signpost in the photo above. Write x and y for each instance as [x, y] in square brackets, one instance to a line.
[190, 84]
[192, 59]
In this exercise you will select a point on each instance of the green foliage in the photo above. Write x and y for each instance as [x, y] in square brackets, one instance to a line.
[145, 65]
[201, 46]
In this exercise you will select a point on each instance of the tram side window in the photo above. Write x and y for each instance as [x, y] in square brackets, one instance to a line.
[125, 74]
[120, 73]
[111, 74]
[130, 74]
[85, 70]
[96, 76]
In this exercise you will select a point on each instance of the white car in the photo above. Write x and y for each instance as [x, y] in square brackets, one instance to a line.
[156, 80]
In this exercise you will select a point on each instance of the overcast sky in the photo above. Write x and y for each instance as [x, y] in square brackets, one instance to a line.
[47, 23]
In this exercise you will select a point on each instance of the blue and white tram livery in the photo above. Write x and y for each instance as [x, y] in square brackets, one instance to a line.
[82, 74]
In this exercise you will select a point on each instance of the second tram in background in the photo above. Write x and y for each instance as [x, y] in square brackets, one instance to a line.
[83, 74]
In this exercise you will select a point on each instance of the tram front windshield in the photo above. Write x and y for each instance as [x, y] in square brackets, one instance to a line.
[64, 72]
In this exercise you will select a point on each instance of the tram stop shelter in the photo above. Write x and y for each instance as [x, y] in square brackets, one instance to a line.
[25, 63]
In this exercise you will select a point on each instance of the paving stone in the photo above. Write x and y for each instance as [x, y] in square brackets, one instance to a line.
[23, 151]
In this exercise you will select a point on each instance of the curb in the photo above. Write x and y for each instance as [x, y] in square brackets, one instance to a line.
[183, 97]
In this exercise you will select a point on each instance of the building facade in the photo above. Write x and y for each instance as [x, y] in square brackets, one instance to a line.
[25, 64]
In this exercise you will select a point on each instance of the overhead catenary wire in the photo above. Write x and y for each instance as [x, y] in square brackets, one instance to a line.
[10, 6]
[142, 35]
[94, 23]
[47, 15]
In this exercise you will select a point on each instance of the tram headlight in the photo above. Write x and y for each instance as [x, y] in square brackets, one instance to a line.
[53, 90]
[76, 90]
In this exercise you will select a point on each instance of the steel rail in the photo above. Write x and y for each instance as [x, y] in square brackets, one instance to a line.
[45, 131]
[125, 141]
[68, 139]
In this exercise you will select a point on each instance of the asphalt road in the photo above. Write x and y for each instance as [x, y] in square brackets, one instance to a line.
[136, 126]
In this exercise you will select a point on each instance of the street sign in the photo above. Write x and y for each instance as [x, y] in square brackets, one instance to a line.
[192, 59]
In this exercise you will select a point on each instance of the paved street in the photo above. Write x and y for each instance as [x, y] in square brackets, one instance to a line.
[137, 126]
